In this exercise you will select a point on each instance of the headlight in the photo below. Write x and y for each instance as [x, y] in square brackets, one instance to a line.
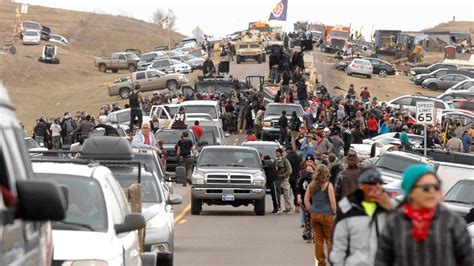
[85, 263]
[161, 247]
[259, 180]
[412, 73]
[267, 124]
[198, 179]
[417, 77]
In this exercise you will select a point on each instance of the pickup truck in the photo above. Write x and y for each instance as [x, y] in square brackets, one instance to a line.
[118, 61]
[149, 80]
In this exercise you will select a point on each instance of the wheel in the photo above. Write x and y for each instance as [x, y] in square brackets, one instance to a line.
[196, 206]
[260, 207]
[237, 59]
[165, 262]
[114, 70]
[433, 87]
[124, 93]
[347, 71]
[259, 59]
[102, 68]
[132, 68]
[383, 73]
[369, 76]
[172, 85]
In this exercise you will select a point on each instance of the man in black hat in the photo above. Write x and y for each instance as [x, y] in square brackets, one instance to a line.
[347, 181]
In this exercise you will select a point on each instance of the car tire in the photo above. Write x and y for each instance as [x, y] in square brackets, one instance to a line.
[264, 58]
[369, 76]
[259, 59]
[383, 73]
[164, 262]
[132, 68]
[237, 60]
[114, 70]
[260, 207]
[433, 86]
[172, 85]
[102, 68]
[124, 93]
[196, 206]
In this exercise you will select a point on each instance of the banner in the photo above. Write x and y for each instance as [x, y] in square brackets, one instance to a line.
[279, 11]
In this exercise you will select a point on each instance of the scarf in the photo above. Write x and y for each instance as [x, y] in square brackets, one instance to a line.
[421, 220]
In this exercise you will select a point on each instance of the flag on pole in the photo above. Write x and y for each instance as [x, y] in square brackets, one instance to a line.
[279, 11]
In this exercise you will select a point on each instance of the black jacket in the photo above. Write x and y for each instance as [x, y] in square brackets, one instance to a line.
[207, 67]
[283, 122]
[295, 162]
[270, 173]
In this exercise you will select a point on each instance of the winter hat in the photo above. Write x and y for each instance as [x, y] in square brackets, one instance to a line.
[412, 174]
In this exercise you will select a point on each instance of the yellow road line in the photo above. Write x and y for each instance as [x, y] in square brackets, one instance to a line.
[182, 221]
[182, 213]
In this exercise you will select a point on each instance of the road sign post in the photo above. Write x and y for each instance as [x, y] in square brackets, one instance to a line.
[425, 115]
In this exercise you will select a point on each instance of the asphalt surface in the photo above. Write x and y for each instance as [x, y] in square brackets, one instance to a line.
[224, 235]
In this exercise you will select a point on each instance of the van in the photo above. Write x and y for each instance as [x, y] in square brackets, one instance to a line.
[26, 205]
[450, 173]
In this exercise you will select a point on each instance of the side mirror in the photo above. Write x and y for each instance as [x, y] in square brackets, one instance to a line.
[181, 175]
[133, 221]
[174, 199]
[40, 201]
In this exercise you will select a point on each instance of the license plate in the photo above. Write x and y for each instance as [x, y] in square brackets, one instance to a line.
[228, 197]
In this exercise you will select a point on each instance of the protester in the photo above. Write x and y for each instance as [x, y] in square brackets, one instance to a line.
[272, 183]
[284, 170]
[295, 162]
[283, 123]
[250, 136]
[294, 126]
[360, 220]
[305, 178]
[197, 129]
[135, 99]
[143, 138]
[347, 181]
[466, 142]
[184, 151]
[323, 208]
[56, 134]
[422, 230]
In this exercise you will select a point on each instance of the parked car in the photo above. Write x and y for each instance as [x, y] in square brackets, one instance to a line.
[58, 39]
[149, 80]
[25, 229]
[425, 70]
[360, 67]
[465, 85]
[460, 94]
[170, 138]
[30, 25]
[148, 58]
[341, 64]
[271, 128]
[228, 175]
[463, 104]
[170, 66]
[440, 73]
[460, 197]
[32, 145]
[31, 37]
[98, 225]
[198, 53]
[392, 164]
[444, 82]
[118, 61]
[380, 67]
[409, 102]
[194, 62]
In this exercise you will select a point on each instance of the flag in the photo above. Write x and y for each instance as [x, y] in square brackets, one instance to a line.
[279, 11]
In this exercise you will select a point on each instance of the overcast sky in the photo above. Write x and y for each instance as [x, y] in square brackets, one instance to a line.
[221, 17]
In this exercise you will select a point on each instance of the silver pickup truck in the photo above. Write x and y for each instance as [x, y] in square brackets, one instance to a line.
[149, 80]
[228, 175]
[271, 128]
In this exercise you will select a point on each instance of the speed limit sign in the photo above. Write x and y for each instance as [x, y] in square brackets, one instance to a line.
[425, 113]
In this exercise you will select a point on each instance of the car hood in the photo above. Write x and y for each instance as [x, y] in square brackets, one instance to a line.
[150, 210]
[81, 245]
[228, 170]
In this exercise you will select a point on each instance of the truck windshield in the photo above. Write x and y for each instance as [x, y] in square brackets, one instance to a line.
[339, 34]
[206, 109]
[229, 157]
[254, 46]
[243, 46]
[277, 109]
[132, 56]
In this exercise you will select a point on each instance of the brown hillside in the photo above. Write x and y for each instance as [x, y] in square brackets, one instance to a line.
[455, 26]
[43, 89]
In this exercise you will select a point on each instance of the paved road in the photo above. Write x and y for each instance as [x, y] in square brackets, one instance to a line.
[224, 235]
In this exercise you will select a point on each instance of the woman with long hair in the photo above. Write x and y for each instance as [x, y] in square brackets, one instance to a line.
[323, 208]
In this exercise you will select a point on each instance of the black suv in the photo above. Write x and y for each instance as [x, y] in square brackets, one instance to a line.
[25, 205]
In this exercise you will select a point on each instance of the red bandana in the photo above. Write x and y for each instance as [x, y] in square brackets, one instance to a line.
[421, 220]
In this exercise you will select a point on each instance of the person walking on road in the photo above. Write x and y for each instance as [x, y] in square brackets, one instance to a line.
[306, 177]
[323, 208]
[135, 99]
[284, 170]
[302, 93]
[294, 127]
[272, 183]
[348, 181]
[283, 123]
[295, 162]
[422, 231]
[360, 220]
[184, 151]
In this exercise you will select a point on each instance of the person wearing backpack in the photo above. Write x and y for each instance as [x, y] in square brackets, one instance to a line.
[294, 127]
[183, 152]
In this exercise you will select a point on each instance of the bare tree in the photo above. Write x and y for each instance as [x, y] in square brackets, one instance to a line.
[159, 15]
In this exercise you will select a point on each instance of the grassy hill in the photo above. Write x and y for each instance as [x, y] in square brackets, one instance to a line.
[43, 89]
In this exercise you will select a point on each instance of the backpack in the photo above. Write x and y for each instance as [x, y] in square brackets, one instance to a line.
[68, 126]
[294, 124]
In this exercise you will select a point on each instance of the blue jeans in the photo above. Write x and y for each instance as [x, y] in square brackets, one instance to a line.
[274, 73]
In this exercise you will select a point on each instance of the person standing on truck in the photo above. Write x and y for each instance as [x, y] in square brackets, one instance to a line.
[183, 151]
[208, 67]
[134, 100]
[180, 118]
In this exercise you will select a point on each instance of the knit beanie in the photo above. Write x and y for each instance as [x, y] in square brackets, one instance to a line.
[412, 174]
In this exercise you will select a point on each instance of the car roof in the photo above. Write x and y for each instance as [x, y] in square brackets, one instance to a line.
[228, 147]
[70, 168]
[199, 102]
[405, 154]
[260, 143]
